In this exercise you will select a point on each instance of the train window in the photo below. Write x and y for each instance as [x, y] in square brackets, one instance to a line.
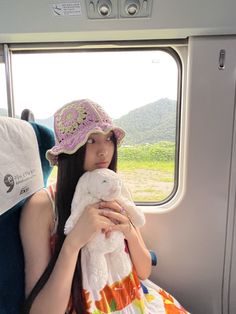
[3, 91]
[138, 88]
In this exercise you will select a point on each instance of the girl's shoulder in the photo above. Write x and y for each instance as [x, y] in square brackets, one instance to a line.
[39, 208]
[39, 199]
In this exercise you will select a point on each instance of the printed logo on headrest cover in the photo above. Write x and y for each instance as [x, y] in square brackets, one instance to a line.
[20, 165]
[9, 182]
[25, 189]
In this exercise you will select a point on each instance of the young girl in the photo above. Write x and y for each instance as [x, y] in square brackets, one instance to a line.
[86, 140]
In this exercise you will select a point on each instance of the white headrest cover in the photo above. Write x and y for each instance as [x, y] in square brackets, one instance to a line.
[20, 165]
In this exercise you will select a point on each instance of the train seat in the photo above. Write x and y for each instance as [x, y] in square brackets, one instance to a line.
[23, 170]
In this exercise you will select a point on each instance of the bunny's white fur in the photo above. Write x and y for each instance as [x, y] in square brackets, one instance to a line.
[94, 186]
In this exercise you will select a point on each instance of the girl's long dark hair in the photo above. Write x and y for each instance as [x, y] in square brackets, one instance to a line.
[70, 169]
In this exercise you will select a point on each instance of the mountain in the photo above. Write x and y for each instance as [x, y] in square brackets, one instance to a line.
[151, 123]
[3, 112]
[47, 122]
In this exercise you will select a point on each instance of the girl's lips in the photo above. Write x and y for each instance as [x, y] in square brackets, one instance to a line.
[102, 164]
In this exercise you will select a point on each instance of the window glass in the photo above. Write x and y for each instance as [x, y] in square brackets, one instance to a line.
[3, 91]
[139, 91]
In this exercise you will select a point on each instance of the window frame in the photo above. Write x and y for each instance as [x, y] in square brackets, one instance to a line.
[161, 45]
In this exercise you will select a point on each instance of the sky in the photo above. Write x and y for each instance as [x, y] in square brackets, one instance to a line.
[118, 81]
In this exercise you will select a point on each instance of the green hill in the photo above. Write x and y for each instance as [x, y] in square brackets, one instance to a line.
[151, 123]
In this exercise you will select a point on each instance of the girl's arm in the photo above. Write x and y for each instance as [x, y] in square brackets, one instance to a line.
[35, 228]
[138, 251]
[140, 255]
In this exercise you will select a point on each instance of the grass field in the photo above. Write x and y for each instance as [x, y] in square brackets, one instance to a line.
[147, 170]
[147, 181]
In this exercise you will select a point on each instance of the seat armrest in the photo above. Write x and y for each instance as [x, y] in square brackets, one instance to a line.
[153, 257]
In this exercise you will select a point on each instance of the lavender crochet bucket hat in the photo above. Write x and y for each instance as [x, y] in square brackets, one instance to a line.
[74, 123]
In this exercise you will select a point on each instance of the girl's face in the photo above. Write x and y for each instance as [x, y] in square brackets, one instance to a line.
[99, 151]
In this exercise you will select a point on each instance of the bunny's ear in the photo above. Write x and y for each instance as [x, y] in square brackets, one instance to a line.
[135, 213]
[77, 204]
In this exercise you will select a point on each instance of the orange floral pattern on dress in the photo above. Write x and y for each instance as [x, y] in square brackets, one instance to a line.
[170, 305]
[117, 296]
[88, 302]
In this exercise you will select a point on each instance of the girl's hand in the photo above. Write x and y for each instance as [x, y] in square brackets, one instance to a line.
[89, 224]
[139, 253]
[119, 216]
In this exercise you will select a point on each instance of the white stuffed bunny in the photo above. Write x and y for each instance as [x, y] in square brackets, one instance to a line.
[94, 186]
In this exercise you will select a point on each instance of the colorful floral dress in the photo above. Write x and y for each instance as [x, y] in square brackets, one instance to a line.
[127, 295]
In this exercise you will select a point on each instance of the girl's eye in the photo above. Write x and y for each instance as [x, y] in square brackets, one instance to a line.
[109, 138]
[90, 141]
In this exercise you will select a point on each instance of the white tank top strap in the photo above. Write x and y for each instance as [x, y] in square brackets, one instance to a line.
[50, 190]
[51, 194]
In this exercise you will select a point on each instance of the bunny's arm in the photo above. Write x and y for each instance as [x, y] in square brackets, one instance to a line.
[135, 213]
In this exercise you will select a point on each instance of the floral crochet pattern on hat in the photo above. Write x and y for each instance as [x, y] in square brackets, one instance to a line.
[69, 121]
[74, 122]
